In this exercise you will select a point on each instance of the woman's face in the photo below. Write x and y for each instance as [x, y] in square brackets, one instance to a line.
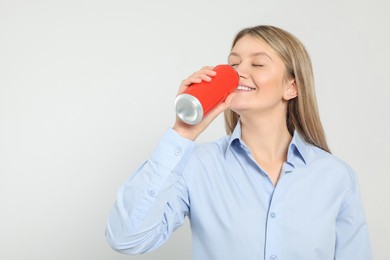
[263, 86]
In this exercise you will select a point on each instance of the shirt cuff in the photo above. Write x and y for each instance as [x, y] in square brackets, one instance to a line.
[172, 149]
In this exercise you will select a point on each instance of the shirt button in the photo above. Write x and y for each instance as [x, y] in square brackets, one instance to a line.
[177, 152]
[273, 215]
[151, 193]
[273, 257]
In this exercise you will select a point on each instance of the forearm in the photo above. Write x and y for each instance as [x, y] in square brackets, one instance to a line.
[153, 201]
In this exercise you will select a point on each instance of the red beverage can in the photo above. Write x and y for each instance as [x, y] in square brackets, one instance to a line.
[199, 98]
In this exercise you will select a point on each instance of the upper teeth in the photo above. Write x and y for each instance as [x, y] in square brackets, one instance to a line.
[244, 88]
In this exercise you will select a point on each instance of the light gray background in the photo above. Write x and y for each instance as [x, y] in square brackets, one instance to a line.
[87, 90]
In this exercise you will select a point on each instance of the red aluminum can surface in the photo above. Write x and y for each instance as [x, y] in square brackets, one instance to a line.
[199, 98]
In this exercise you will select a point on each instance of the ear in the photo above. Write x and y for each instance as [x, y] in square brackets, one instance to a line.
[291, 90]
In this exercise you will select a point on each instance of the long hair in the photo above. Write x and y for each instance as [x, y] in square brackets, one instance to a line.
[302, 111]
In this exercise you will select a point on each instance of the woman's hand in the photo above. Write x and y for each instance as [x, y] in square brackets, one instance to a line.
[193, 131]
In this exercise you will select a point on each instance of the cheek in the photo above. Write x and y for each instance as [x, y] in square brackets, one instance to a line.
[270, 83]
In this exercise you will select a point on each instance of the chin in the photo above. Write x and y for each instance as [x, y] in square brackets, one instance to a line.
[238, 105]
[238, 110]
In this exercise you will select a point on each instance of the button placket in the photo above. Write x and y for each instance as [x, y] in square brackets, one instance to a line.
[274, 223]
[178, 151]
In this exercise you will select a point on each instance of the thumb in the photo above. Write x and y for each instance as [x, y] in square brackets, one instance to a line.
[219, 108]
[229, 99]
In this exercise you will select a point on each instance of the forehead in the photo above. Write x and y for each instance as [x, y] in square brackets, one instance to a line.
[250, 44]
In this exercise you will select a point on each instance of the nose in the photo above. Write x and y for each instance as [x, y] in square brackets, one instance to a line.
[241, 72]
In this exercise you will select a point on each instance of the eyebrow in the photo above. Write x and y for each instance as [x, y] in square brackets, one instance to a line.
[260, 53]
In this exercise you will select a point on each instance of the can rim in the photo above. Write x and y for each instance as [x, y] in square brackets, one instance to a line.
[188, 109]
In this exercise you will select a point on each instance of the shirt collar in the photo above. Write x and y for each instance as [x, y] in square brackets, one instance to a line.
[297, 147]
[235, 135]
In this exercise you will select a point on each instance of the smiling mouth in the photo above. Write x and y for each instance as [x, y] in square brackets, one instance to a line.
[245, 88]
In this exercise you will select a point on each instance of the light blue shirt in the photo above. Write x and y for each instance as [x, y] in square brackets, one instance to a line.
[314, 212]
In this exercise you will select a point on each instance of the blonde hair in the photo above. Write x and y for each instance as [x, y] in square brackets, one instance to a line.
[302, 111]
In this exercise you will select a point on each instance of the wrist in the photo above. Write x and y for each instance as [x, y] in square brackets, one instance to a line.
[185, 131]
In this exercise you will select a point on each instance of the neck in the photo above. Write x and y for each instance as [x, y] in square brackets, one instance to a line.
[267, 138]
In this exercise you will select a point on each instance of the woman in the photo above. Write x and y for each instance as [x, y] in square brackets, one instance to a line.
[270, 189]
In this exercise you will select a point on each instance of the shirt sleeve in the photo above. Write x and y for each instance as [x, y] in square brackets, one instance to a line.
[153, 202]
[352, 238]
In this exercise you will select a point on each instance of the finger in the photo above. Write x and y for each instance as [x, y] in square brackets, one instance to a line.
[209, 72]
[186, 83]
[191, 80]
[204, 77]
[204, 74]
[196, 78]
[207, 68]
[229, 99]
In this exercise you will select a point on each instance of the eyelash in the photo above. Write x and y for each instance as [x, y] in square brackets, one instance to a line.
[254, 65]
[258, 65]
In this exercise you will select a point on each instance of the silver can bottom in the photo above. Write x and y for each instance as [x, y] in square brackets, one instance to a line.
[188, 109]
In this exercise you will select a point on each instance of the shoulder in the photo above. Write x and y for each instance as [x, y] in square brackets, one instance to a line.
[207, 159]
[211, 149]
[330, 165]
